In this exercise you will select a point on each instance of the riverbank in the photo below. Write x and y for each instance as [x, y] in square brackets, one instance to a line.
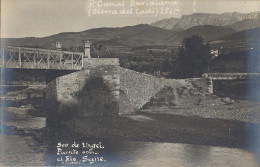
[212, 107]
[203, 120]
[164, 128]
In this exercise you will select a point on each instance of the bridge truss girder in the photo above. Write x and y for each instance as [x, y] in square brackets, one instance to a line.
[20, 57]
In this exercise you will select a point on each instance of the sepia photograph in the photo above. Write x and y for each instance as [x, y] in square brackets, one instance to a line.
[130, 83]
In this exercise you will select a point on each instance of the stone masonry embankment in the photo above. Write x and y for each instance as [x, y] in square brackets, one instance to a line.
[136, 89]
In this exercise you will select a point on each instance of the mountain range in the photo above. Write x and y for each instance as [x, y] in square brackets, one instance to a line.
[226, 26]
[142, 34]
[233, 20]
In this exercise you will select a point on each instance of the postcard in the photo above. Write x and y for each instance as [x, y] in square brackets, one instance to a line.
[136, 83]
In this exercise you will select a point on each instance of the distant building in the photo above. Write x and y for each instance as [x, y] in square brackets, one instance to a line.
[214, 53]
[119, 49]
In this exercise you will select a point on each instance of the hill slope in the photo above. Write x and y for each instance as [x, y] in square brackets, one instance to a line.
[246, 35]
[208, 32]
[245, 24]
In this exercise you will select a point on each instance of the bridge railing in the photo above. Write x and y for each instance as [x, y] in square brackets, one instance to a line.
[228, 76]
[21, 57]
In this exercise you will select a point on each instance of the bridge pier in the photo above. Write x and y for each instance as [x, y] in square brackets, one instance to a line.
[90, 92]
[87, 45]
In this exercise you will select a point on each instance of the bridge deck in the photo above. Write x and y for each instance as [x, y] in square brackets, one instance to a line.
[231, 76]
[34, 58]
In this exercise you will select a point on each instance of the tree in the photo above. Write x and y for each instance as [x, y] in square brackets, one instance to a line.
[193, 58]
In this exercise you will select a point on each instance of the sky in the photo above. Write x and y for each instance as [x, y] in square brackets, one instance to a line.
[40, 18]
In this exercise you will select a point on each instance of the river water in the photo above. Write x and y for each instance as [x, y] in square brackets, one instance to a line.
[42, 149]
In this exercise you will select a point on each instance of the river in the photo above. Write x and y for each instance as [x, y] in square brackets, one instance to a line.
[31, 147]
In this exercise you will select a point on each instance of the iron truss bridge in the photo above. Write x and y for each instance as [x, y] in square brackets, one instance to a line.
[34, 58]
[231, 76]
